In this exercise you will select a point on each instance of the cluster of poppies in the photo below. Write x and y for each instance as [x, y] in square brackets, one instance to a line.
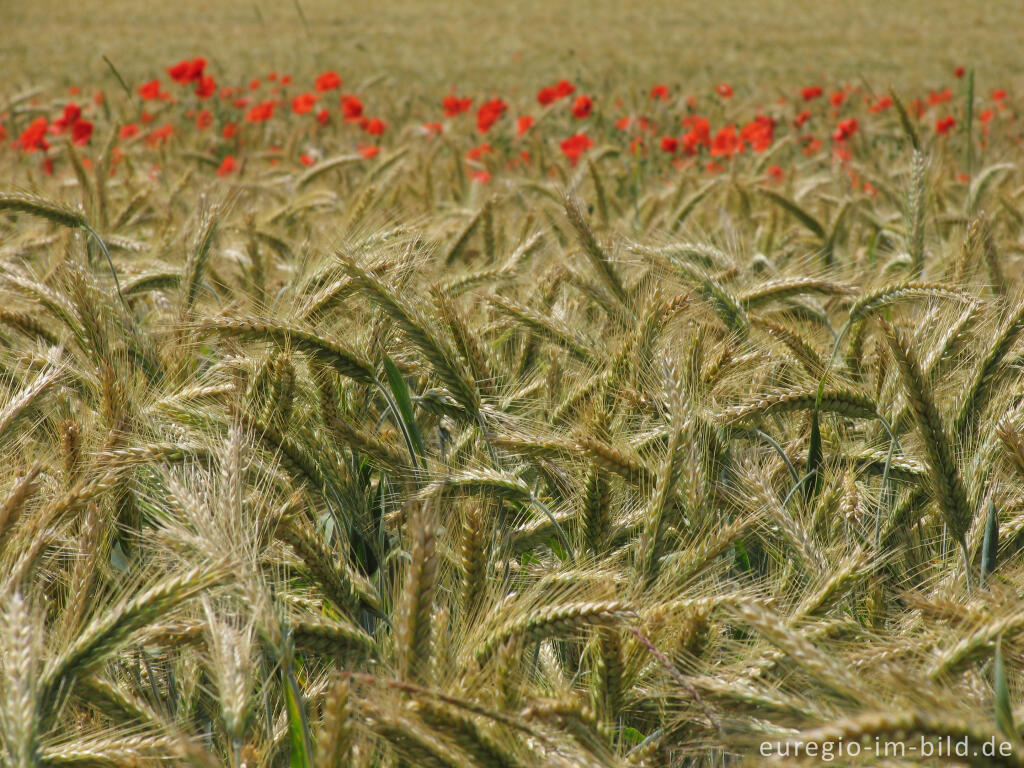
[71, 122]
[661, 121]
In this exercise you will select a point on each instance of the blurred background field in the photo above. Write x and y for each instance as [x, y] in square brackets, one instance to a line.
[511, 45]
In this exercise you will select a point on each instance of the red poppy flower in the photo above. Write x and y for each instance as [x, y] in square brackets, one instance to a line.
[775, 174]
[938, 97]
[563, 88]
[476, 153]
[986, 115]
[303, 103]
[433, 128]
[698, 135]
[227, 165]
[700, 124]
[812, 145]
[659, 93]
[34, 136]
[129, 130]
[802, 118]
[945, 124]
[837, 98]
[455, 106]
[575, 146]
[489, 113]
[998, 95]
[369, 151]
[959, 72]
[623, 123]
[81, 132]
[582, 107]
[323, 117]
[72, 112]
[480, 177]
[306, 160]
[181, 72]
[523, 124]
[759, 133]
[206, 88]
[811, 92]
[185, 71]
[724, 90]
[881, 105]
[351, 108]
[375, 126]
[726, 142]
[547, 95]
[845, 129]
[229, 131]
[150, 91]
[669, 144]
[261, 112]
[204, 119]
[328, 81]
[160, 135]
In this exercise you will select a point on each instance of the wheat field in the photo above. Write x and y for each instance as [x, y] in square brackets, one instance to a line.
[528, 386]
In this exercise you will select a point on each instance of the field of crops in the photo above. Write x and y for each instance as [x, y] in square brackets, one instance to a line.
[513, 404]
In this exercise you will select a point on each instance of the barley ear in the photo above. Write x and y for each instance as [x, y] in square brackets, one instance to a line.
[335, 743]
[59, 214]
[602, 264]
[19, 722]
[915, 219]
[946, 482]
[111, 629]
[414, 625]
[990, 543]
